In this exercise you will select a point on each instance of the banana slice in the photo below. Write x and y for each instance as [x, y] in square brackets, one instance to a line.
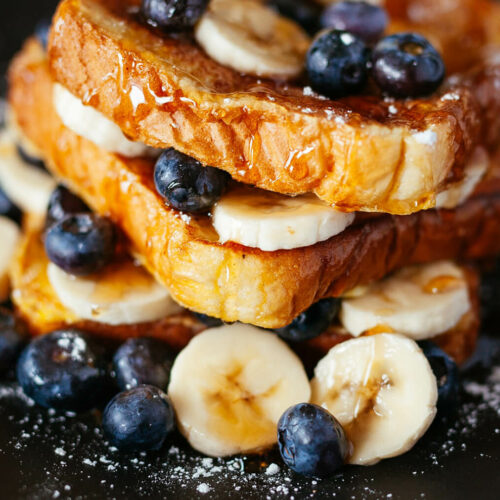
[27, 186]
[122, 294]
[460, 191]
[419, 302]
[9, 236]
[252, 38]
[94, 126]
[271, 221]
[230, 386]
[383, 392]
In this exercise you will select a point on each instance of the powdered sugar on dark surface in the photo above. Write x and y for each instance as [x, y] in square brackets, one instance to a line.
[46, 454]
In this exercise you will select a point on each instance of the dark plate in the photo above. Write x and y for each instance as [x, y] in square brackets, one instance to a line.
[49, 455]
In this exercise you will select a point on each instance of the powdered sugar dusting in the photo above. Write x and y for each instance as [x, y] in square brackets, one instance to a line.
[79, 453]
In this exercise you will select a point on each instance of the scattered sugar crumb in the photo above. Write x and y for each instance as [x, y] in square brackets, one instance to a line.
[203, 488]
[272, 469]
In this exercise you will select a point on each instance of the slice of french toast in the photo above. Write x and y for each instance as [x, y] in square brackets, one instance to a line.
[39, 306]
[229, 281]
[37, 303]
[359, 153]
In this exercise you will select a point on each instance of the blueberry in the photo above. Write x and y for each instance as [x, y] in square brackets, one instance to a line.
[142, 361]
[173, 15]
[80, 244]
[311, 322]
[186, 184]
[12, 335]
[303, 12]
[407, 65]
[42, 29]
[138, 419]
[336, 64]
[30, 159]
[447, 376]
[9, 209]
[62, 203]
[362, 19]
[311, 441]
[63, 370]
[209, 321]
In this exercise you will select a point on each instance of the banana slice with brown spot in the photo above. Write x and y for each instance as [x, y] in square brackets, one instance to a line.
[252, 38]
[382, 390]
[230, 386]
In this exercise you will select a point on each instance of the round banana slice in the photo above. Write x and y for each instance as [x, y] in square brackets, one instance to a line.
[475, 170]
[230, 386]
[122, 294]
[252, 38]
[419, 302]
[271, 221]
[9, 235]
[382, 390]
[27, 186]
[94, 126]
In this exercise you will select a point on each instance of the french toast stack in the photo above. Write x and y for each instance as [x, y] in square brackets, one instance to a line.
[328, 217]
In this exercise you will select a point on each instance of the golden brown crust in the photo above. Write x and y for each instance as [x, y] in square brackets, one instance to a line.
[230, 281]
[356, 152]
[38, 305]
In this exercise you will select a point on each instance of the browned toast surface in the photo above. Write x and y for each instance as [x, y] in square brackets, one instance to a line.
[360, 153]
[230, 281]
[39, 306]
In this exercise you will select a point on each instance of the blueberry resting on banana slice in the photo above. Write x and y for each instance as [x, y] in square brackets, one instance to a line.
[230, 386]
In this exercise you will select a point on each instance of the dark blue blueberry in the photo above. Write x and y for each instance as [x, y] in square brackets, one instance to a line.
[9, 209]
[186, 184]
[42, 31]
[336, 64]
[303, 12]
[12, 337]
[407, 65]
[173, 15]
[312, 322]
[62, 203]
[80, 244]
[311, 441]
[447, 376]
[142, 361]
[362, 19]
[138, 419]
[30, 159]
[63, 370]
[209, 321]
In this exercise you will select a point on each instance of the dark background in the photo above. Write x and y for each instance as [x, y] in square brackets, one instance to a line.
[451, 461]
[17, 20]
